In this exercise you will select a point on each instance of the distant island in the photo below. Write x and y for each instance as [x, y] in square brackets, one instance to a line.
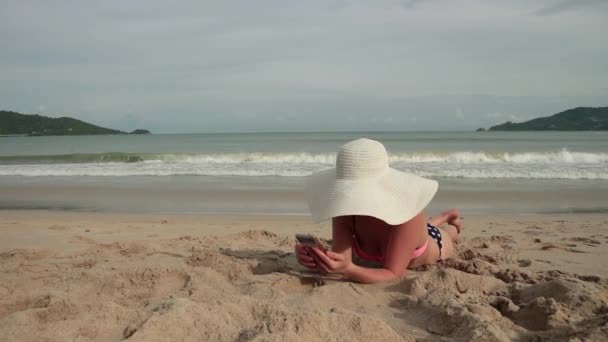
[140, 131]
[576, 119]
[13, 123]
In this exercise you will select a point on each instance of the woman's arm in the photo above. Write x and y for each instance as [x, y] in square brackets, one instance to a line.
[342, 235]
[339, 257]
[402, 242]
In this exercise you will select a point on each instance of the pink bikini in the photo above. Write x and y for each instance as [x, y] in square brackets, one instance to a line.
[380, 258]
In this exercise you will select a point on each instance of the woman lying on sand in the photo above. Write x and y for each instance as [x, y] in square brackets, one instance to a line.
[377, 215]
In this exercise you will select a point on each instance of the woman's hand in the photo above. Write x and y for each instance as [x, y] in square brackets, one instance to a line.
[331, 262]
[304, 257]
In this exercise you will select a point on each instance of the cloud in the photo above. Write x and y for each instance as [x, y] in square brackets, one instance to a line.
[494, 115]
[207, 66]
[515, 118]
[460, 114]
[570, 5]
[411, 4]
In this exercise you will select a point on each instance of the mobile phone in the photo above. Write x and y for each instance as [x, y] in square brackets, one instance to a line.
[308, 240]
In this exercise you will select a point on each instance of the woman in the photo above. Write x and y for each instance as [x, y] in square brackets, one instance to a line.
[377, 215]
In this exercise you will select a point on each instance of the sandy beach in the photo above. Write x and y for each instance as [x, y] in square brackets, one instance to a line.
[157, 162]
[76, 276]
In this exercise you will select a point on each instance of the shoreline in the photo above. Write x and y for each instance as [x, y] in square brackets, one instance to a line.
[280, 195]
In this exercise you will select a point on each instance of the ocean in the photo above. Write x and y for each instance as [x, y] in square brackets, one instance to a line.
[481, 155]
[272, 165]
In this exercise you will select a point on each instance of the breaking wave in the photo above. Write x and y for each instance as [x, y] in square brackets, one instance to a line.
[465, 164]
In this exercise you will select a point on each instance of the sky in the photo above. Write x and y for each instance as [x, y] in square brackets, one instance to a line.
[283, 65]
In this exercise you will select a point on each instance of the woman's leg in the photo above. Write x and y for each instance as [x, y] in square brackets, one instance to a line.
[451, 216]
[431, 255]
[449, 234]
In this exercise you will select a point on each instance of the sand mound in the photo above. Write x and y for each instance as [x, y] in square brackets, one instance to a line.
[247, 287]
[483, 295]
[247, 319]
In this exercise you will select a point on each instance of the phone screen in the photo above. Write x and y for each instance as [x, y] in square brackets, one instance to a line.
[309, 241]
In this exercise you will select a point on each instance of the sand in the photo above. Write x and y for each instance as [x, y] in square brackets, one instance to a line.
[70, 276]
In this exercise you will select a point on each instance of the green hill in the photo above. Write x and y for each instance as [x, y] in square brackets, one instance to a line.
[12, 123]
[576, 119]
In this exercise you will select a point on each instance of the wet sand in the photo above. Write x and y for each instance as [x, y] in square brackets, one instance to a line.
[283, 195]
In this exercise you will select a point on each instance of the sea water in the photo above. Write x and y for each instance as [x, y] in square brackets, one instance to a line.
[566, 162]
[482, 155]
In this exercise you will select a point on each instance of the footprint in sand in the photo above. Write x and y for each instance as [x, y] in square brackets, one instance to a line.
[586, 241]
[80, 238]
[575, 250]
[548, 246]
[565, 247]
[58, 227]
[524, 262]
[87, 263]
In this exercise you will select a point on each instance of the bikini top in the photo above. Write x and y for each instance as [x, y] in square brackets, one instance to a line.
[357, 248]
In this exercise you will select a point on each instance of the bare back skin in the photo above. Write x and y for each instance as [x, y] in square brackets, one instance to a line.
[373, 235]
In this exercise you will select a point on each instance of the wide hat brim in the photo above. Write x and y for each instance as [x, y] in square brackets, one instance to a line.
[394, 197]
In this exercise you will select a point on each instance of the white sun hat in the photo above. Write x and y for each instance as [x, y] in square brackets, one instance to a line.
[362, 183]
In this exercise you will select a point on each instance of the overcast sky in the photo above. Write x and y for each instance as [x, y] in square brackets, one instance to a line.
[282, 65]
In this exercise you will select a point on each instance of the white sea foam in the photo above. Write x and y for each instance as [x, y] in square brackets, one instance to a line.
[561, 164]
[562, 156]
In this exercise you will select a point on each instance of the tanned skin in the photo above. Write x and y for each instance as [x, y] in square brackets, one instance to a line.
[396, 243]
